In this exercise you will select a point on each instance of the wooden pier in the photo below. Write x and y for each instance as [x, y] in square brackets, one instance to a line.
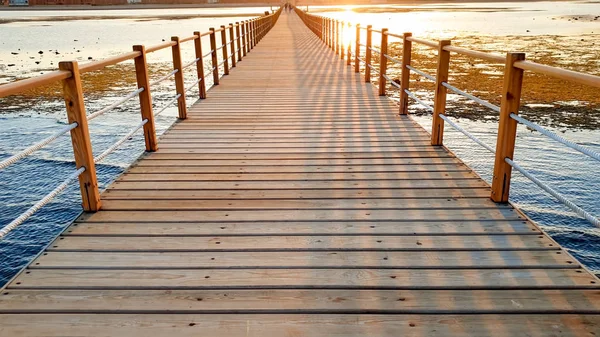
[295, 201]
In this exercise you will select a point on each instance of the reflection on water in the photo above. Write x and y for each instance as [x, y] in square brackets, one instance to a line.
[540, 28]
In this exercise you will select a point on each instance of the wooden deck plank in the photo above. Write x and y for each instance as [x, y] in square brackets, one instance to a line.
[310, 260]
[301, 184]
[352, 175]
[337, 203]
[298, 243]
[303, 215]
[165, 279]
[337, 228]
[301, 194]
[315, 325]
[139, 169]
[303, 301]
[280, 162]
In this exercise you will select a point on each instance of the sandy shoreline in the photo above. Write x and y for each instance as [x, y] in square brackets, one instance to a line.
[221, 5]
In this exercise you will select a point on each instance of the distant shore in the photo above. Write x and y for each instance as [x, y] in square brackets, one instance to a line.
[130, 6]
[231, 5]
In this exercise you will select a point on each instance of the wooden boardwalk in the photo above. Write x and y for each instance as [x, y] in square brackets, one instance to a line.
[294, 201]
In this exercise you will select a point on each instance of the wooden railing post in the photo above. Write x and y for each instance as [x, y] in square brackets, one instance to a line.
[323, 30]
[179, 84]
[507, 127]
[383, 62]
[80, 137]
[349, 47]
[246, 37]
[224, 49]
[337, 37]
[200, 65]
[143, 81]
[232, 44]
[342, 51]
[357, 50]
[213, 54]
[368, 54]
[439, 105]
[238, 40]
[405, 77]
[329, 33]
[253, 34]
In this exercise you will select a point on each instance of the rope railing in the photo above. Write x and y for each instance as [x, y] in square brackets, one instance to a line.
[578, 210]
[191, 63]
[164, 78]
[122, 140]
[192, 86]
[114, 105]
[392, 59]
[70, 72]
[45, 200]
[471, 97]
[375, 50]
[412, 95]
[560, 139]
[166, 106]
[28, 151]
[466, 133]
[422, 73]
[515, 64]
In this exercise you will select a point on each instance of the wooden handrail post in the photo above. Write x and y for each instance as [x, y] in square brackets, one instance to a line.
[232, 44]
[80, 137]
[507, 127]
[342, 51]
[200, 65]
[405, 77]
[238, 40]
[246, 38]
[179, 84]
[368, 54]
[439, 105]
[331, 34]
[349, 46]
[357, 50]
[253, 34]
[213, 54]
[323, 30]
[224, 49]
[383, 62]
[337, 37]
[143, 81]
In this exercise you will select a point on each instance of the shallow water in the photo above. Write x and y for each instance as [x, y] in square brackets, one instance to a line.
[25, 121]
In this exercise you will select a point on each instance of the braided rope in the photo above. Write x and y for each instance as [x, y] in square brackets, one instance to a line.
[15, 158]
[422, 73]
[113, 147]
[580, 211]
[191, 63]
[193, 85]
[392, 59]
[167, 105]
[557, 138]
[164, 77]
[114, 105]
[430, 108]
[466, 133]
[45, 200]
[471, 97]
